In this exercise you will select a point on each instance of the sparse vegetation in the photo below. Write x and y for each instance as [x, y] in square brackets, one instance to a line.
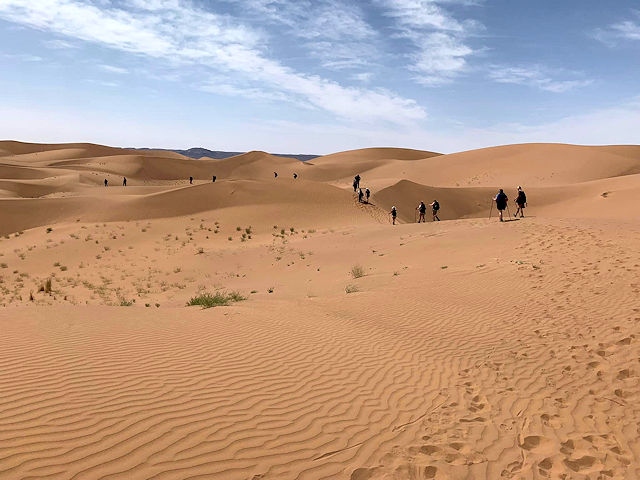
[46, 287]
[126, 303]
[218, 299]
[49, 229]
[357, 271]
[351, 289]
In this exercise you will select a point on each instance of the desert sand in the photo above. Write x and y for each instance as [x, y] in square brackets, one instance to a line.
[459, 349]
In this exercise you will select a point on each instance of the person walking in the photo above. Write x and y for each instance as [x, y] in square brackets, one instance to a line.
[356, 182]
[213, 179]
[106, 182]
[367, 193]
[190, 180]
[501, 202]
[521, 201]
[394, 214]
[360, 195]
[422, 209]
[435, 207]
[124, 181]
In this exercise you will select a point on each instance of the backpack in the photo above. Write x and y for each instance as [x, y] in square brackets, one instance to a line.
[423, 208]
[522, 198]
[436, 206]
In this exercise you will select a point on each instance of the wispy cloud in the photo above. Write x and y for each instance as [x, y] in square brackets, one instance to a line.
[439, 39]
[334, 32]
[177, 32]
[624, 30]
[59, 44]
[23, 57]
[534, 76]
[113, 69]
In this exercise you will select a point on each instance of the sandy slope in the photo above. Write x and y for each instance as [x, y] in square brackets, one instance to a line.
[458, 349]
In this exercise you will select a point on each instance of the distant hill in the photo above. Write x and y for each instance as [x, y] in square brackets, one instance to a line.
[198, 152]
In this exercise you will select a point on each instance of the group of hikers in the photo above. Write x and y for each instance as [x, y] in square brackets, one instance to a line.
[500, 199]
[295, 175]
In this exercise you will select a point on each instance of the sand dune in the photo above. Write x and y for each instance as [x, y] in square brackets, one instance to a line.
[466, 348]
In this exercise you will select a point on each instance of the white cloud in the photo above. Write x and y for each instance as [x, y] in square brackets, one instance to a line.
[534, 76]
[175, 31]
[113, 69]
[624, 30]
[59, 44]
[334, 32]
[439, 39]
[24, 57]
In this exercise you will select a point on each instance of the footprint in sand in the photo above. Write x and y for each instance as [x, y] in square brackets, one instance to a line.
[363, 473]
[535, 443]
[580, 464]
[551, 421]
[545, 465]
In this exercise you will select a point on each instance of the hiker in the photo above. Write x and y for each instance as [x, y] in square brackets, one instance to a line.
[295, 175]
[435, 206]
[213, 179]
[422, 209]
[394, 214]
[106, 183]
[360, 195]
[124, 181]
[275, 174]
[367, 193]
[356, 182]
[521, 201]
[191, 180]
[501, 202]
[355, 185]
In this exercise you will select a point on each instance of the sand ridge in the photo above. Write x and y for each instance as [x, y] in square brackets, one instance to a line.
[465, 348]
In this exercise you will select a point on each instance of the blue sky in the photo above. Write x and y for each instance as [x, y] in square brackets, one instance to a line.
[320, 76]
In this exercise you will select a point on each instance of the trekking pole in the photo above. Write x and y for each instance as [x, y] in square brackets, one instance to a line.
[491, 210]
[508, 211]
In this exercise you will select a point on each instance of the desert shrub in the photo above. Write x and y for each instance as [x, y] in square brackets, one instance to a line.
[357, 271]
[126, 303]
[217, 299]
[351, 289]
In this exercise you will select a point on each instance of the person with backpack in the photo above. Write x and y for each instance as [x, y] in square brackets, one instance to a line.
[367, 193]
[394, 214]
[521, 201]
[422, 209]
[356, 182]
[360, 195]
[501, 202]
[435, 206]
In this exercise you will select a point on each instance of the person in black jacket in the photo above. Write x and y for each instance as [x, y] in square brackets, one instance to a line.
[501, 202]
[521, 201]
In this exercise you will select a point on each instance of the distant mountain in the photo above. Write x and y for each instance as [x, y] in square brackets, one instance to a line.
[199, 152]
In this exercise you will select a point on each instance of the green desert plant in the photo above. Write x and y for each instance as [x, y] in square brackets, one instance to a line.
[217, 299]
